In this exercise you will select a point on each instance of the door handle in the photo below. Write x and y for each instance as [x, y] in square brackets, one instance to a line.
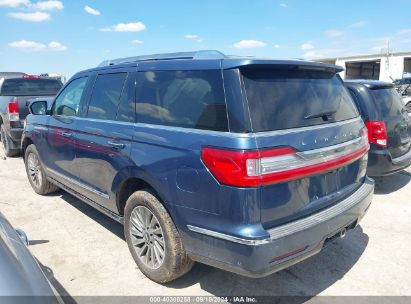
[66, 134]
[115, 145]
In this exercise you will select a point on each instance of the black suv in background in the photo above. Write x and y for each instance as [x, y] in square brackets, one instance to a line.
[16, 90]
[388, 125]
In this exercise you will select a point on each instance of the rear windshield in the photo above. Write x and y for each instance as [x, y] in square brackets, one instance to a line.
[30, 87]
[388, 102]
[284, 99]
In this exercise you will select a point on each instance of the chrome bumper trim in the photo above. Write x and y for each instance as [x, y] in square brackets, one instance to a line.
[299, 225]
[228, 237]
[322, 216]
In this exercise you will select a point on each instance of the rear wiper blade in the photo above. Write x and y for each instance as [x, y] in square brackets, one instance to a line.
[321, 114]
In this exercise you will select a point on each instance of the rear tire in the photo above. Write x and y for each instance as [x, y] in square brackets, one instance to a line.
[153, 239]
[408, 107]
[35, 172]
[6, 143]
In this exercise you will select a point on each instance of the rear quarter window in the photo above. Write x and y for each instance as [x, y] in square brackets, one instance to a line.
[188, 99]
[30, 87]
[283, 99]
[387, 101]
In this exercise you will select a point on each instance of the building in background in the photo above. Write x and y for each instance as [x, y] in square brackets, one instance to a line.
[386, 66]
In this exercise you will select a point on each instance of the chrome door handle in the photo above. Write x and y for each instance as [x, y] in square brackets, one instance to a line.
[66, 134]
[116, 145]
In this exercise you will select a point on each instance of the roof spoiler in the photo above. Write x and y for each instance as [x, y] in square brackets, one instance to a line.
[203, 54]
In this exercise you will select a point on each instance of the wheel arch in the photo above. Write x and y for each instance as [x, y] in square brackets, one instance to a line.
[131, 184]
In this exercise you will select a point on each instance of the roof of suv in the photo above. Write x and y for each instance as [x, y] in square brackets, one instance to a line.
[371, 84]
[212, 59]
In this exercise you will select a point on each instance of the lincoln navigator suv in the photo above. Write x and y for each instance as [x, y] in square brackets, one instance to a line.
[244, 164]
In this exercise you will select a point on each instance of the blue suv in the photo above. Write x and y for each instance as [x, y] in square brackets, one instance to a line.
[244, 164]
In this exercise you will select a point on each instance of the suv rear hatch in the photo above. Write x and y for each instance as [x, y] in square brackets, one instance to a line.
[312, 142]
[397, 121]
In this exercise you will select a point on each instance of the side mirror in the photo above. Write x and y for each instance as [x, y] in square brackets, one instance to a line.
[23, 236]
[38, 107]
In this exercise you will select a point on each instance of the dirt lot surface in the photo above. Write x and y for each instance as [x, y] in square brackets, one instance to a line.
[85, 253]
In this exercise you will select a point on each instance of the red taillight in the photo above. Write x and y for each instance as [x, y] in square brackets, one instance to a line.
[377, 133]
[31, 76]
[13, 110]
[263, 167]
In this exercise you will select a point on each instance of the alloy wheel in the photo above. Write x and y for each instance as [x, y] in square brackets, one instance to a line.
[33, 165]
[147, 237]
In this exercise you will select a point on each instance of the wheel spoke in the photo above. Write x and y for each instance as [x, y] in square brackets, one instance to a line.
[136, 232]
[159, 240]
[137, 242]
[159, 249]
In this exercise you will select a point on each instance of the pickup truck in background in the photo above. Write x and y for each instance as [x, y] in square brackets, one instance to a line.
[16, 90]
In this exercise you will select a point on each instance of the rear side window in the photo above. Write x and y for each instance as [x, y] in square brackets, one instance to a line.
[106, 96]
[189, 99]
[30, 87]
[284, 99]
[388, 102]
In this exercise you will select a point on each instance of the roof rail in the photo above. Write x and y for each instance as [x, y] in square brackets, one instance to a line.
[203, 54]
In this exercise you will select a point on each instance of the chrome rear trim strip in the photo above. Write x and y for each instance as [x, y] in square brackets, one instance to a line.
[227, 237]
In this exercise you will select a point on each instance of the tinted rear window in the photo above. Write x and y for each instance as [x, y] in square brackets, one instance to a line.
[30, 87]
[106, 96]
[388, 102]
[285, 99]
[188, 99]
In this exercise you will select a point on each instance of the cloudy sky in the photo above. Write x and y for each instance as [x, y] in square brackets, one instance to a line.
[68, 36]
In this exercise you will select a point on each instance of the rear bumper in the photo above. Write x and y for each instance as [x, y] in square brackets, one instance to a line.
[287, 244]
[381, 163]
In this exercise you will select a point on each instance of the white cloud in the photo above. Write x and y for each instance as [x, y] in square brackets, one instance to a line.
[56, 46]
[92, 11]
[136, 41]
[277, 46]
[29, 45]
[334, 33]
[125, 27]
[284, 5]
[33, 17]
[307, 46]
[193, 37]
[404, 32]
[13, 3]
[358, 24]
[47, 5]
[323, 53]
[37, 46]
[249, 44]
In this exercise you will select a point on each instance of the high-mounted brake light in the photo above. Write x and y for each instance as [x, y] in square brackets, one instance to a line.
[269, 166]
[31, 76]
[377, 133]
[13, 110]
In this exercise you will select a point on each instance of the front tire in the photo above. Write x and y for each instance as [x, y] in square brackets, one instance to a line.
[153, 239]
[35, 172]
[5, 141]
